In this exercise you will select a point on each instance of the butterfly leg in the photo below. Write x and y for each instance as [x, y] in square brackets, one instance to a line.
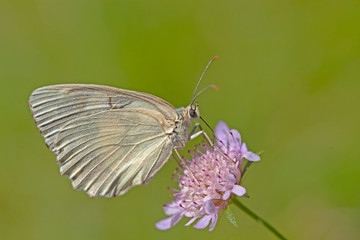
[184, 164]
[194, 134]
[193, 131]
[176, 160]
[202, 132]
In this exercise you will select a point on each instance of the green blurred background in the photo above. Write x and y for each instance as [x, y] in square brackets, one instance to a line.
[288, 74]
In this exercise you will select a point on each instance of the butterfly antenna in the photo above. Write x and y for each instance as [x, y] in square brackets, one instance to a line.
[195, 95]
[204, 89]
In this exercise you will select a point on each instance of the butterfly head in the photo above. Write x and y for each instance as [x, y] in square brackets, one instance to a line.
[193, 111]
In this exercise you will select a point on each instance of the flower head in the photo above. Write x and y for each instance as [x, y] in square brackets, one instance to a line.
[209, 182]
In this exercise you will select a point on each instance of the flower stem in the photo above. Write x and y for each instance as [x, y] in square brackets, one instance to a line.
[257, 218]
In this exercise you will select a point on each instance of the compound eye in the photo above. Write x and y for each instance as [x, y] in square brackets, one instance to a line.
[192, 113]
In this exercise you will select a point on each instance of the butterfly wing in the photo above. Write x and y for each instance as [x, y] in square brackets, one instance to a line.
[107, 140]
[53, 106]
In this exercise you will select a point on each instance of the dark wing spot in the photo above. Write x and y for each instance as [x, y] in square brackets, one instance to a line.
[110, 103]
[116, 106]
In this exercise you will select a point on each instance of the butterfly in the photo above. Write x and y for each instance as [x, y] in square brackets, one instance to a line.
[108, 140]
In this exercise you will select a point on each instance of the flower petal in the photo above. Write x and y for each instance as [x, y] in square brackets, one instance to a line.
[221, 133]
[164, 224]
[210, 207]
[243, 148]
[213, 222]
[175, 219]
[235, 140]
[171, 208]
[203, 222]
[231, 178]
[168, 222]
[226, 195]
[191, 221]
[251, 156]
[239, 190]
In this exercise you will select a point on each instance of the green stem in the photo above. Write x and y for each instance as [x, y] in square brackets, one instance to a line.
[257, 218]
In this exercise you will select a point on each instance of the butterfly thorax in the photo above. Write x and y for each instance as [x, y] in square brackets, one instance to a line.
[181, 133]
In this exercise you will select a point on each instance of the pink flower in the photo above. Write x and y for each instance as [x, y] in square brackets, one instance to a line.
[213, 181]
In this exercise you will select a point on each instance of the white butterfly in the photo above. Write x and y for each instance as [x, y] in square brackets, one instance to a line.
[106, 139]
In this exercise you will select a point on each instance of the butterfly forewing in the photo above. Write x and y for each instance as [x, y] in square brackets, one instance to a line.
[107, 140]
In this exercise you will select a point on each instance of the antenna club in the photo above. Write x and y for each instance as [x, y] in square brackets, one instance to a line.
[215, 87]
[213, 59]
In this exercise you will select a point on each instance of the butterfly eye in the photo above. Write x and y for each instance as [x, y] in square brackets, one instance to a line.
[193, 113]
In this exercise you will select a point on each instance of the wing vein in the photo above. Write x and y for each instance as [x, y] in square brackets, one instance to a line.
[115, 168]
